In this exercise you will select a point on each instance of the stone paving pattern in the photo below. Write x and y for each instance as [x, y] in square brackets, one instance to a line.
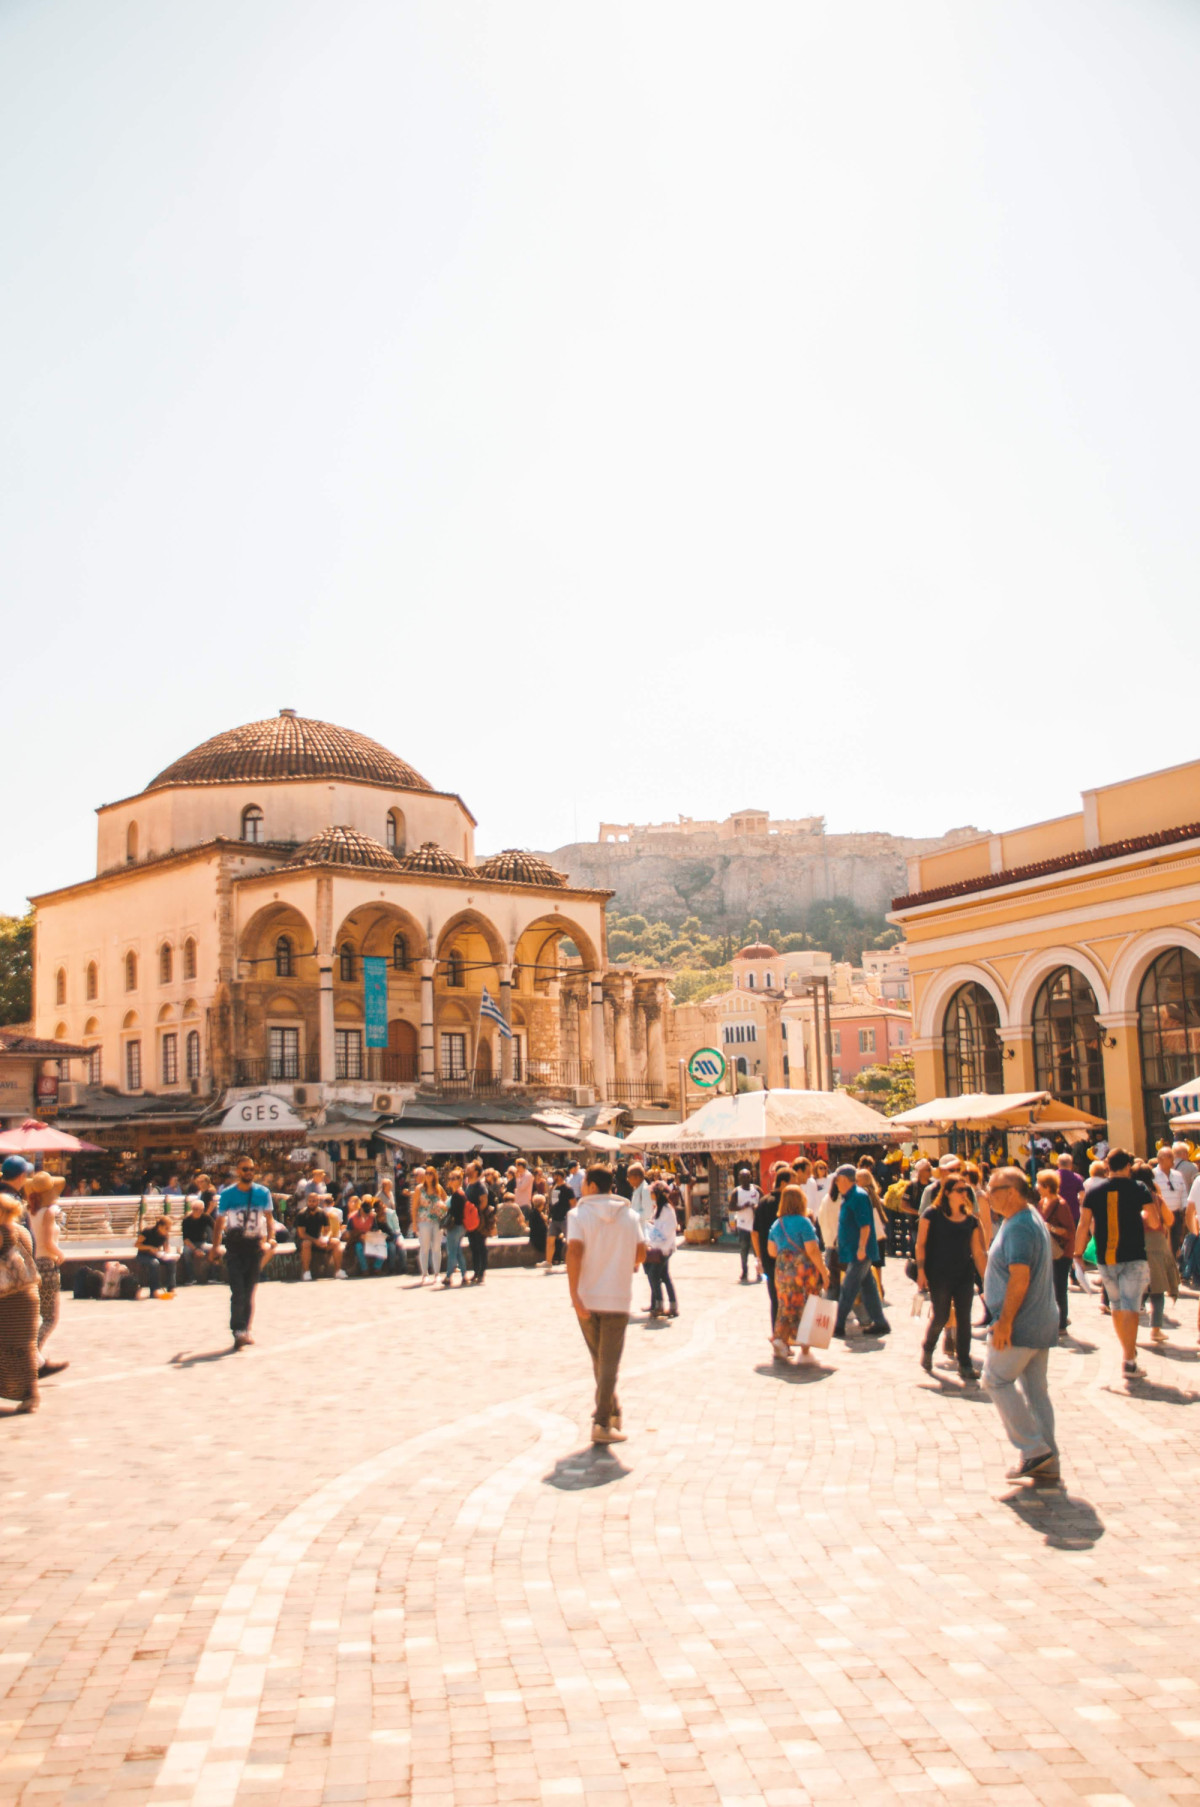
[373, 1558]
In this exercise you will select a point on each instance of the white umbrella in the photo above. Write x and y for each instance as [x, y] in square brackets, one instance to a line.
[753, 1120]
[996, 1110]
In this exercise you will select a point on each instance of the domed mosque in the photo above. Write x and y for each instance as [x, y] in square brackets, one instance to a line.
[292, 906]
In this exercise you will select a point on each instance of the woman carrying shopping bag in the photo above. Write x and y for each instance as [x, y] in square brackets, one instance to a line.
[662, 1234]
[799, 1269]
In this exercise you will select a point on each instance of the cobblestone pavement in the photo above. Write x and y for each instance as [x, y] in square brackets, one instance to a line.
[374, 1558]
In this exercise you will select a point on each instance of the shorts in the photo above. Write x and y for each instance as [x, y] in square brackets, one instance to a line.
[1125, 1284]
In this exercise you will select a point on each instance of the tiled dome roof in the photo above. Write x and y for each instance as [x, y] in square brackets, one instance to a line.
[289, 746]
[757, 950]
[520, 868]
[431, 858]
[342, 846]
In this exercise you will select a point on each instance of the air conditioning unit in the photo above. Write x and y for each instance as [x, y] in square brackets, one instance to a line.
[68, 1093]
[385, 1101]
[306, 1094]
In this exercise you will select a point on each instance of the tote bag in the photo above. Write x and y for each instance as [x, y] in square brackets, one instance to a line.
[817, 1320]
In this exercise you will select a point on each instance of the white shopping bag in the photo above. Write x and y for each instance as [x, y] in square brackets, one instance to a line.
[815, 1330]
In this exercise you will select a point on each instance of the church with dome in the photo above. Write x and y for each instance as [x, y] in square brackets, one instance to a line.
[221, 943]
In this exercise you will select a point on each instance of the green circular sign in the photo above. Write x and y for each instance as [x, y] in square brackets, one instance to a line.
[706, 1067]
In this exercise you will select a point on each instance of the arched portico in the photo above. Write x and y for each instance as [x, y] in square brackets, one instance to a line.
[938, 995]
[1033, 972]
[1134, 961]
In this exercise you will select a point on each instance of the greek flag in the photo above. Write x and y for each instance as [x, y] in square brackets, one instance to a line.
[490, 1008]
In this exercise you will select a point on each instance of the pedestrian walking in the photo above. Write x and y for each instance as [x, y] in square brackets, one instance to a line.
[1118, 1211]
[858, 1252]
[1018, 1289]
[662, 1235]
[1062, 1224]
[18, 1302]
[429, 1199]
[742, 1202]
[562, 1203]
[476, 1218]
[950, 1253]
[800, 1270]
[1070, 1185]
[1172, 1189]
[605, 1247]
[639, 1194]
[41, 1196]
[245, 1226]
[1164, 1270]
[765, 1213]
[456, 1228]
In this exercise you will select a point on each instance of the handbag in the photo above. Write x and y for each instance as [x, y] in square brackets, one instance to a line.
[815, 1329]
[375, 1245]
[655, 1256]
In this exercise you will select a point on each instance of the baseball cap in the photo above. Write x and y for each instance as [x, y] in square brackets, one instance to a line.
[14, 1166]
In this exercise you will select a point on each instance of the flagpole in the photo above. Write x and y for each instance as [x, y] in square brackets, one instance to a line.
[478, 1039]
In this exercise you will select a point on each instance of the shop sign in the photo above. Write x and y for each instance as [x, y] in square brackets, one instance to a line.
[47, 1094]
[16, 1087]
[263, 1115]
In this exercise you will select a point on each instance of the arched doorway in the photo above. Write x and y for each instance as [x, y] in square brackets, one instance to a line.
[1169, 1032]
[400, 1058]
[971, 1045]
[483, 1059]
[1067, 1057]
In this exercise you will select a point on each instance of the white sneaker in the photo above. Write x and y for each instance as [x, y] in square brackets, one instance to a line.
[306, 1276]
[780, 1347]
[341, 1274]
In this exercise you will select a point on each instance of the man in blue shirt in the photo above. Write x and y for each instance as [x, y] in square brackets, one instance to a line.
[858, 1252]
[1018, 1290]
[246, 1226]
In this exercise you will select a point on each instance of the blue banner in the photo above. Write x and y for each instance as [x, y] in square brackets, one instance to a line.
[375, 1004]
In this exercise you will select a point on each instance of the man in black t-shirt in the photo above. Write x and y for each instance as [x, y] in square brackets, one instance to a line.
[765, 1213]
[1115, 1210]
[477, 1195]
[317, 1245]
[562, 1201]
[197, 1233]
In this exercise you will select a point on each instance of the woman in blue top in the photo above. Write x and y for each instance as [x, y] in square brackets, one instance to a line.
[799, 1268]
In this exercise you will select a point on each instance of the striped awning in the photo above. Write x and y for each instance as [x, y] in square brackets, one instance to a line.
[1184, 1101]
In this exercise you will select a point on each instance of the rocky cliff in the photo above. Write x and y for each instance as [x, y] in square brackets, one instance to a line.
[771, 877]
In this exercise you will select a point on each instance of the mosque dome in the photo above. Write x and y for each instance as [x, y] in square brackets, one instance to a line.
[520, 868]
[288, 745]
[430, 858]
[342, 846]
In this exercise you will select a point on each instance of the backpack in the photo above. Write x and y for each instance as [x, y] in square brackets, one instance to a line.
[470, 1216]
[88, 1282]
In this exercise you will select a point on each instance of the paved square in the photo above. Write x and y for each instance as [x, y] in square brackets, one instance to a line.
[374, 1558]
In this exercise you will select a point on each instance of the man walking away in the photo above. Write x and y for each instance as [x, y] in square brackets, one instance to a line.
[605, 1247]
[1114, 1210]
[765, 1213]
[742, 1201]
[1018, 1290]
[561, 1205]
[640, 1197]
[246, 1226]
[41, 1199]
[858, 1252]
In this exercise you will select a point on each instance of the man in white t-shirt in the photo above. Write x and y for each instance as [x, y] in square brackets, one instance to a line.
[742, 1201]
[1173, 1192]
[606, 1244]
[575, 1180]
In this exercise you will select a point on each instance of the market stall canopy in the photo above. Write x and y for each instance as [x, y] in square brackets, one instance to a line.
[35, 1137]
[1189, 1120]
[1184, 1101]
[455, 1138]
[996, 1110]
[763, 1120]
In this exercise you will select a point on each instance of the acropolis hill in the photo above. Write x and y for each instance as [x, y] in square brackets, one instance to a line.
[746, 866]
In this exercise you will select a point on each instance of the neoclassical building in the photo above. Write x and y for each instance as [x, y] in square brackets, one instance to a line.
[221, 942]
[1065, 956]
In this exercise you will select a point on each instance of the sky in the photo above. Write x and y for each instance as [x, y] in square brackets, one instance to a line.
[617, 411]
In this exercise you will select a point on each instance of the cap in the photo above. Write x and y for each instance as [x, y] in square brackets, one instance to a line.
[847, 1170]
[949, 1160]
[15, 1166]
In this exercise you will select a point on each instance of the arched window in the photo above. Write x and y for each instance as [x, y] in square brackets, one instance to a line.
[131, 971]
[92, 981]
[193, 1054]
[252, 823]
[394, 831]
[1067, 1058]
[346, 962]
[454, 969]
[283, 958]
[750, 981]
[971, 1043]
[768, 981]
[166, 964]
[131, 843]
[189, 958]
[400, 954]
[60, 985]
[1169, 1029]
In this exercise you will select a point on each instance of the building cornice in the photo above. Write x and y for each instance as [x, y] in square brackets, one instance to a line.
[1019, 879]
[366, 784]
[455, 881]
[156, 862]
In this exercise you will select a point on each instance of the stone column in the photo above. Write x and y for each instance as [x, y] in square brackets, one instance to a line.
[1123, 1080]
[1018, 1060]
[427, 1071]
[599, 1052]
[324, 943]
[656, 1056]
[506, 1043]
[622, 1038]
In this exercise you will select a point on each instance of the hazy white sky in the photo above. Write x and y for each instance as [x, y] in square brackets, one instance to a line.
[617, 410]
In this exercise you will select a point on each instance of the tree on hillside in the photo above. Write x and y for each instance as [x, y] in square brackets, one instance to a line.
[16, 968]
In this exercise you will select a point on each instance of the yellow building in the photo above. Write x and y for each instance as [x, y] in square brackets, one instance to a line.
[1065, 956]
[221, 942]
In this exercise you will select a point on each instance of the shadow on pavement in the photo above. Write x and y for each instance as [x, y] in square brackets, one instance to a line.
[1153, 1389]
[1075, 1345]
[595, 1466]
[794, 1375]
[948, 1388]
[209, 1355]
[1066, 1523]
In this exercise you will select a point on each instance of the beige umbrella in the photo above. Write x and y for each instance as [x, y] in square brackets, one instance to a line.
[752, 1120]
[996, 1110]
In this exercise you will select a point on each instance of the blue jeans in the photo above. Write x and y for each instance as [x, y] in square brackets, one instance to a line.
[659, 1275]
[857, 1279]
[456, 1254]
[150, 1272]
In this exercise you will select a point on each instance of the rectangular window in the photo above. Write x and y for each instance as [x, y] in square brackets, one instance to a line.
[193, 1054]
[284, 1052]
[454, 1054]
[170, 1058]
[901, 1036]
[837, 1041]
[347, 1054]
[95, 1066]
[866, 1041]
[133, 1066]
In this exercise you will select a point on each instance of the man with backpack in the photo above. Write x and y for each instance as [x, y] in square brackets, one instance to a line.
[475, 1220]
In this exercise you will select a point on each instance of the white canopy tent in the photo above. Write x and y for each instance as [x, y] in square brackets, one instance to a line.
[1184, 1101]
[996, 1110]
[755, 1120]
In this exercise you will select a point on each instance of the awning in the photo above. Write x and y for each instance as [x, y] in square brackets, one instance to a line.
[1184, 1101]
[765, 1119]
[996, 1110]
[448, 1139]
[530, 1138]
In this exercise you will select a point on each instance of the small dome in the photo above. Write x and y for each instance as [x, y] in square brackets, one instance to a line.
[288, 745]
[757, 950]
[520, 868]
[342, 846]
[431, 858]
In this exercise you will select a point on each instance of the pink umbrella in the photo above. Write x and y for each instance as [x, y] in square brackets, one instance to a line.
[38, 1138]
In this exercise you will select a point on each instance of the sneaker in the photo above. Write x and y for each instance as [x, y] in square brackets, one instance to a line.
[341, 1274]
[780, 1347]
[1131, 1371]
[615, 1433]
[674, 1312]
[877, 1330]
[1033, 1465]
[602, 1434]
[49, 1368]
[306, 1276]
[968, 1376]
[744, 1281]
